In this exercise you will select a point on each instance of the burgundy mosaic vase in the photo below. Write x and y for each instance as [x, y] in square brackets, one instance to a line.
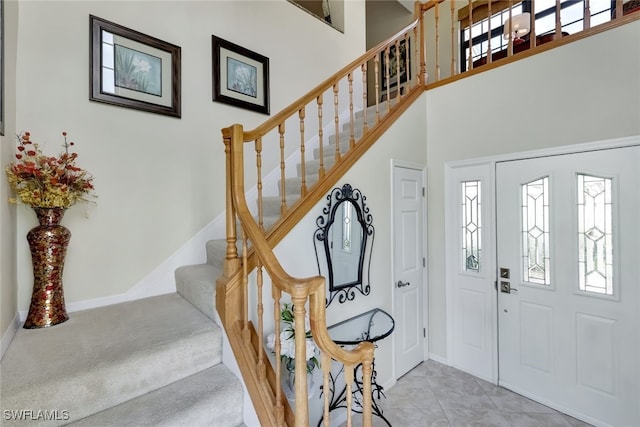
[48, 243]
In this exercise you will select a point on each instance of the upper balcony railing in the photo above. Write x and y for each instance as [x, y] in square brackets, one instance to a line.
[468, 35]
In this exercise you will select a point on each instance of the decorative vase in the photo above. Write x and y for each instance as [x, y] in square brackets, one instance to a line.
[290, 385]
[48, 243]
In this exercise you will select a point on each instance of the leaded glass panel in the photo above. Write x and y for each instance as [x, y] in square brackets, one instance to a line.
[595, 234]
[535, 232]
[471, 226]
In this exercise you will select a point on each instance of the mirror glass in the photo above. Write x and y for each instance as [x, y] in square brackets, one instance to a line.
[343, 243]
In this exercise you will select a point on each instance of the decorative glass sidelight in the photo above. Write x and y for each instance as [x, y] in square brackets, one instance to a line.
[471, 226]
[595, 234]
[535, 232]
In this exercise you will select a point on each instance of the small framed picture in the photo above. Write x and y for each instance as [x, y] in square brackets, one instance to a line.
[240, 76]
[405, 72]
[133, 70]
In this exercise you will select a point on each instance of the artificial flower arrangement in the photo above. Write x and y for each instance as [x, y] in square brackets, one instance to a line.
[48, 182]
[287, 341]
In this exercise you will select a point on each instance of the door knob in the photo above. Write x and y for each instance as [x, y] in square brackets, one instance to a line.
[401, 284]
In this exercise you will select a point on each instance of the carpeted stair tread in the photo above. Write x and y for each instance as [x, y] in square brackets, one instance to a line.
[102, 357]
[197, 284]
[212, 397]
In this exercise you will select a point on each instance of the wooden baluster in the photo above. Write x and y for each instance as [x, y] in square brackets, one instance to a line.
[618, 9]
[301, 391]
[489, 53]
[326, 369]
[363, 68]
[414, 80]
[348, 381]
[283, 192]
[532, 25]
[452, 11]
[261, 366]
[376, 72]
[470, 5]
[367, 392]
[303, 168]
[259, 169]
[319, 101]
[246, 333]
[352, 134]
[277, 296]
[397, 70]
[387, 73]
[510, 29]
[231, 262]
[407, 61]
[422, 76]
[437, 16]
[336, 119]
[587, 15]
[558, 20]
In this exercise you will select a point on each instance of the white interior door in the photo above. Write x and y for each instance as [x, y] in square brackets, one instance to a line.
[408, 262]
[567, 247]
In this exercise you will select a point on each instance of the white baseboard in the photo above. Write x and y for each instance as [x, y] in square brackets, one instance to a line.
[439, 359]
[9, 334]
[161, 280]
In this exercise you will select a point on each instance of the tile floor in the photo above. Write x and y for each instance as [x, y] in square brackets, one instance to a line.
[433, 394]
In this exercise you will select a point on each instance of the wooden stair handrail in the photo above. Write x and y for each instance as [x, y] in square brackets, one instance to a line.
[299, 288]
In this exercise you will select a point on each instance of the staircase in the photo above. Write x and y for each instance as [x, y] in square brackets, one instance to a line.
[158, 361]
[197, 283]
[149, 362]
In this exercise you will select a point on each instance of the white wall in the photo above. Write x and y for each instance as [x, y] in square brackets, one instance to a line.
[159, 179]
[405, 141]
[8, 288]
[584, 91]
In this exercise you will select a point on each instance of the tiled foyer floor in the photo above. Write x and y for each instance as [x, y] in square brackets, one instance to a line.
[433, 394]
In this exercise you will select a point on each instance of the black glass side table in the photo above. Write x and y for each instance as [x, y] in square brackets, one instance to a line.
[371, 326]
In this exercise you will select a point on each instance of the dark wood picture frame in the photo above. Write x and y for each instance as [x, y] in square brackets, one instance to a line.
[405, 72]
[133, 70]
[240, 76]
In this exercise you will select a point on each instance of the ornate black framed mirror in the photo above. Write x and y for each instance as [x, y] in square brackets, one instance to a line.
[343, 243]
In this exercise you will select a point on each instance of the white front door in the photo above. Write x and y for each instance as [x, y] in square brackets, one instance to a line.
[408, 268]
[569, 282]
[471, 294]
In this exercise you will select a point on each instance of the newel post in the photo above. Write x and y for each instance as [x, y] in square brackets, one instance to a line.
[231, 135]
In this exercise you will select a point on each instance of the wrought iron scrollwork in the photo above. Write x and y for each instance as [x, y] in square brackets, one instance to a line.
[343, 243]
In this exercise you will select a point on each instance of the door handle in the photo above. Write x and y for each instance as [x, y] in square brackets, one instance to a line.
[401, 284]
[506, 288]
